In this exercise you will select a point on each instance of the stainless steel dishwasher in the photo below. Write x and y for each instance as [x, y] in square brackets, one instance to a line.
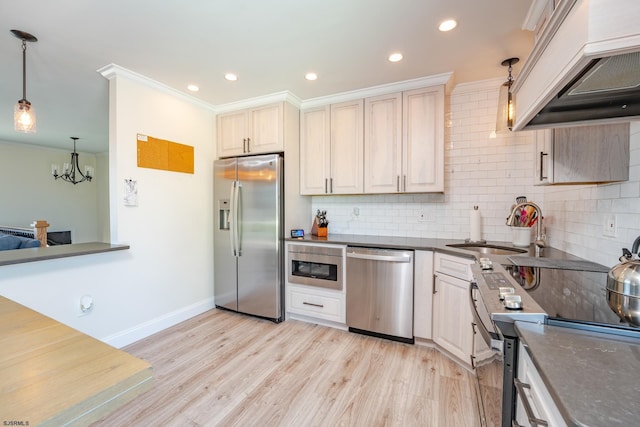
[380, 292]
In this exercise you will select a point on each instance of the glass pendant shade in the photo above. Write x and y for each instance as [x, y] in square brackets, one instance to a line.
[24, 117]
[504, 121]
[506, 108]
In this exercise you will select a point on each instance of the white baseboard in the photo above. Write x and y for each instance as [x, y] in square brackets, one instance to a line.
[143, 330]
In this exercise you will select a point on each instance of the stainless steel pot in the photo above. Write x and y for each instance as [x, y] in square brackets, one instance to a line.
[623, 286]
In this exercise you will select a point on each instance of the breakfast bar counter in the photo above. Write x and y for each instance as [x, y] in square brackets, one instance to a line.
[53, 375]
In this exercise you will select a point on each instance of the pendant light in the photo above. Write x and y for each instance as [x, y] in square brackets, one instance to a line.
[505, 99]
[24, 115]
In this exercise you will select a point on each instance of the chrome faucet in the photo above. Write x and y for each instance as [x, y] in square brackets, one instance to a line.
[539, 240]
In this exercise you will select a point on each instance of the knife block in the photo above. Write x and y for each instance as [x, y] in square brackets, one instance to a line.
[319, 231]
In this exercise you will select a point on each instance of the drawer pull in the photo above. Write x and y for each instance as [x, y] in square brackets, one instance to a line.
[312, 304]
[520, 386]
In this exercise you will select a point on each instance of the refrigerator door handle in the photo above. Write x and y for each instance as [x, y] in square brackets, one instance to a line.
[238, 227]
[232, 220]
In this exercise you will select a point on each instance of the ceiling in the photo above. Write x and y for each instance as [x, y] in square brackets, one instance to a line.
[269, 44]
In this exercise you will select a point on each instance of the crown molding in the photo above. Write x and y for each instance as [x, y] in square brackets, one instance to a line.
[489, 84]
[111, 71]
[285, 96]
[438, 79]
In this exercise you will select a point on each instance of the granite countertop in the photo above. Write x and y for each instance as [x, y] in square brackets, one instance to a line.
[551, 258]
[593, 377]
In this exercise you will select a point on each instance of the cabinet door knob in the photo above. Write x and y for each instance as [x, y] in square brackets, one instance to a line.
[248, 146]
[244, 145]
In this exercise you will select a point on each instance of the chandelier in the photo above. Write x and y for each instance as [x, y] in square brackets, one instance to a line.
[24, 115]
[69, 170]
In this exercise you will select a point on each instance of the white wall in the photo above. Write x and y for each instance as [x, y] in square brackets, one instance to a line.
[29, 191]
[167, 275]
[481, 169]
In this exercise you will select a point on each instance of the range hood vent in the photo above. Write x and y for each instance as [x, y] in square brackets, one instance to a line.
[607, 88]
[584, 67]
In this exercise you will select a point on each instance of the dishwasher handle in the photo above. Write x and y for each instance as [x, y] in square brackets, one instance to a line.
[380, 256]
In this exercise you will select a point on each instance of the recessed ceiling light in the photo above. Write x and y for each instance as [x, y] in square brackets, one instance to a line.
[193, 88]
[231, 77]
[448, 25]
[311, 76]
[395, 57]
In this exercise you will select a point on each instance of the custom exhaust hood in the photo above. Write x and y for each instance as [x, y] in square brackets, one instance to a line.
[584, 68]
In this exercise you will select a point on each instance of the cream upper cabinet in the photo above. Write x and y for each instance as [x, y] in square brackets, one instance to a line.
[315, 150]
[583, 154]
[346, 148]
[404, 142]
[383, 144]
[232, 133]
[331, 149]
[423, 140]
[251, 131]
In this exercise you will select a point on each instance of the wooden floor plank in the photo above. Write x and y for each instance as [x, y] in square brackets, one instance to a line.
[227, 369]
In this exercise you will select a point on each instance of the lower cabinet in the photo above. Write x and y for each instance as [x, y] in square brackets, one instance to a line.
[316, 303]
[452, 318]
[423, 294]
[534, 404]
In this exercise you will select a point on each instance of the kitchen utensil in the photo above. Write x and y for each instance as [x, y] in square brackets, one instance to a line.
[521, 199]
[623, 286]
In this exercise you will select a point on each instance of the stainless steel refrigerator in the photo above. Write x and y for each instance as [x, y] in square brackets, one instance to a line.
[248, 236]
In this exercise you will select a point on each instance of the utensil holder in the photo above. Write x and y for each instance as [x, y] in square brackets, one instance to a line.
[521, 236]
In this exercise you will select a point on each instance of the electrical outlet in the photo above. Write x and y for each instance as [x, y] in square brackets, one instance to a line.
[424, 217]
[85, 305]
[610, 226]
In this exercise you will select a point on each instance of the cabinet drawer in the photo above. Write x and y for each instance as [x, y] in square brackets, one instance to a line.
[536, 395]
[319, 304]
[454, 266]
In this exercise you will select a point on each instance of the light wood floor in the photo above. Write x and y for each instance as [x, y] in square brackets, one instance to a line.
[227, 369]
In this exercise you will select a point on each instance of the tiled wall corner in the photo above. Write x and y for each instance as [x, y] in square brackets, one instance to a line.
[577, 214]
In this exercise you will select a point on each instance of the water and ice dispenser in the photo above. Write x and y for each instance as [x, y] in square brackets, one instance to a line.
[224, 214]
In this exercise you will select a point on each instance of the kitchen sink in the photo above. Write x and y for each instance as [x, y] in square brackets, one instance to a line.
[488, 249]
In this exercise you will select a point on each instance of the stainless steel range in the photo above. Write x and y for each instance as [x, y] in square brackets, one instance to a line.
[497, 301]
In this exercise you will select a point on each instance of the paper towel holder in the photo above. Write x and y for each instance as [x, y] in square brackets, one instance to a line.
[480, 241]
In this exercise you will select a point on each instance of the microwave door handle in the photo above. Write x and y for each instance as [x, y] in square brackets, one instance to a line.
[491, 338]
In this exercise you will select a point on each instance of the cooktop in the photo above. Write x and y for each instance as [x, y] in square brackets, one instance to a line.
[569, 295]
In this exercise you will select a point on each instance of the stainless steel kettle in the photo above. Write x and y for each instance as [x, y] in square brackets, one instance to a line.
[623, 286]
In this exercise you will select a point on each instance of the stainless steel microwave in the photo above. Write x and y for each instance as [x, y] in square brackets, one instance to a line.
[315, 265]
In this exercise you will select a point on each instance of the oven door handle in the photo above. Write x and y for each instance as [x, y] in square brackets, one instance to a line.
[491, 338]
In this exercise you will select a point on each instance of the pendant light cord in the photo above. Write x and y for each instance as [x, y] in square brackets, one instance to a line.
[24, 70]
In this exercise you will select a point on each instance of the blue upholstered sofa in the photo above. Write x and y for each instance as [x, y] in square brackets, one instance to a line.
[8, 241]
